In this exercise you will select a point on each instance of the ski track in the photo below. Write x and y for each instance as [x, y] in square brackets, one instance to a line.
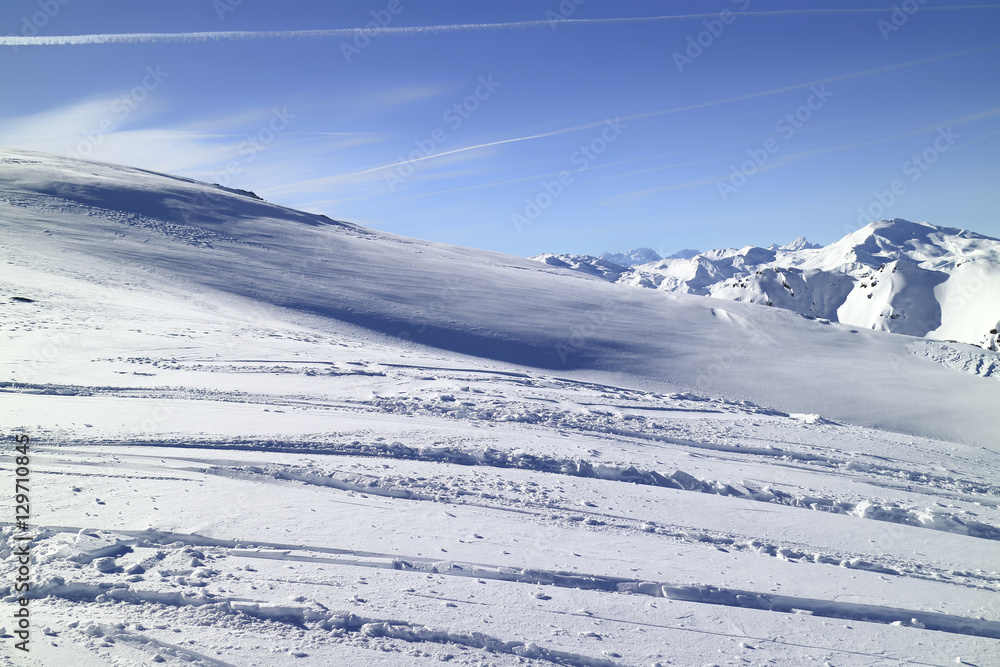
[127, 542]
[589, 411]
[446, 489]
[594, 420]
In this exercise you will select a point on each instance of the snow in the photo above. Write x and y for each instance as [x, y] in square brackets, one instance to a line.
[260, 436]
[633, 257]
[602, 268]
[893, 275]
[799, 243]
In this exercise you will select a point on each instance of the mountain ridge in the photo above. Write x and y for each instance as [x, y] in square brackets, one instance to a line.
[893, 275]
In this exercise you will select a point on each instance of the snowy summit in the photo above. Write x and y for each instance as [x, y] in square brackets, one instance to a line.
[893, 275]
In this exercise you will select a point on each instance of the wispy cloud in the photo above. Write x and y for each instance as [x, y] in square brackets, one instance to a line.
[60, 129]
[369, 184]
[198, 147]
[245, 35]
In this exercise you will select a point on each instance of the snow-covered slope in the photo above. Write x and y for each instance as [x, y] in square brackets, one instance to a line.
[92, 223]
[892, 275]
[263, 437]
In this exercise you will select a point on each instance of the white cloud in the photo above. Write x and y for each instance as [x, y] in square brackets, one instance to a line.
[107, 129]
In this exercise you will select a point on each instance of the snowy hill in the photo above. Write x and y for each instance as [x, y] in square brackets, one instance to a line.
[893, 275]
[261, 436]
[105, 225]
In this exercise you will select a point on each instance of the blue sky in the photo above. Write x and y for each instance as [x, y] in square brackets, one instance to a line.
[583, 136]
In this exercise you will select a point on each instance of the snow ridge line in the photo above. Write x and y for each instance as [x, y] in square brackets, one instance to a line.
[520, 413]
[793, 553]
[705, 594]
[678, 480]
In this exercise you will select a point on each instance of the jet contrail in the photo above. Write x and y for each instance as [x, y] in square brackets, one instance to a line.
[785, 160]
[661, 112]
[245, 35]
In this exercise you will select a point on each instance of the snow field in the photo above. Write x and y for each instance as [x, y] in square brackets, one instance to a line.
[263, 437]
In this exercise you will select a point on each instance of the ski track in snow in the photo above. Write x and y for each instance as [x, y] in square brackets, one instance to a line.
[191, 560]
[621, 420]
[599, 414]
[696, 430]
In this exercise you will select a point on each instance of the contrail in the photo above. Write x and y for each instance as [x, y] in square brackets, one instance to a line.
[663, 112]
[245, 35]
[785, 160]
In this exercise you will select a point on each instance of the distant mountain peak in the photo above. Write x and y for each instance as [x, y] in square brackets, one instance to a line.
[686, 253]
[900, 231]
[589, 264]
[899, 276]
[800, 243]
[631, 257]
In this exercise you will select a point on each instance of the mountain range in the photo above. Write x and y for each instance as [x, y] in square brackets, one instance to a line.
[897, 276]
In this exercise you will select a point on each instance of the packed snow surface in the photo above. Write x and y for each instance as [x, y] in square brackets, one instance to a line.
[264, 437]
